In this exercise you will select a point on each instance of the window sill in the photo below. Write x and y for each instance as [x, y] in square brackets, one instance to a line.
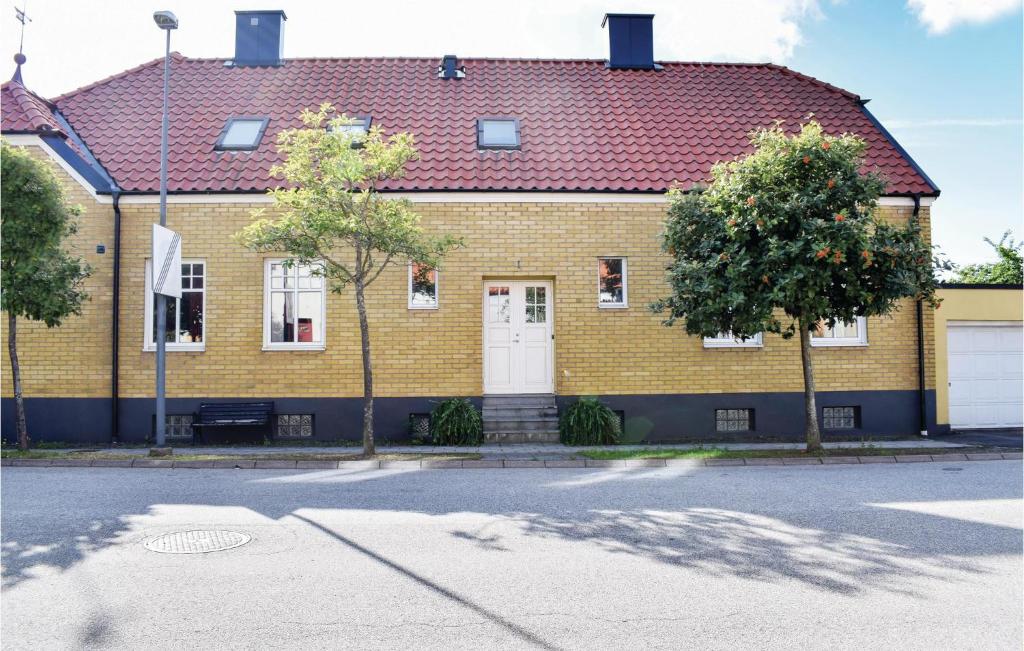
[293, 347]
[613, 306]
[424, 307]
[177, 348]
[839, 343]
[745, 344]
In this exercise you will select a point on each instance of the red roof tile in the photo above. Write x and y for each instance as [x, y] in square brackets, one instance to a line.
[22, 111]
[584, 127]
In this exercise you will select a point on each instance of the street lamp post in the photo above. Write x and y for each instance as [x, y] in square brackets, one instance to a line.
[166, 21]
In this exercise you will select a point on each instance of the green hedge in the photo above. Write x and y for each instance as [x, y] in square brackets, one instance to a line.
[589, 422]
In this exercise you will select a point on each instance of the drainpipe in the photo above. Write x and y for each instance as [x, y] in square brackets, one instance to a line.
[922, 408]
[115, 411]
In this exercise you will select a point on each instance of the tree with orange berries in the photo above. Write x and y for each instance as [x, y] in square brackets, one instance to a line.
[785, 239]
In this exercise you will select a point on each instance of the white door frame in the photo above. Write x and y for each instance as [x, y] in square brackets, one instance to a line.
[518, 339]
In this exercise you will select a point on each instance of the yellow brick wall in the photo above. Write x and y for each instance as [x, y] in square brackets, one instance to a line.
[74, 359]
[436, 352]
[439, 352]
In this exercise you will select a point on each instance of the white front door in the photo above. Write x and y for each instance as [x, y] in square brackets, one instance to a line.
[518, 337]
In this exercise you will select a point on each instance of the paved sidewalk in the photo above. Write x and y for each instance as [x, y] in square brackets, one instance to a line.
[547, 451]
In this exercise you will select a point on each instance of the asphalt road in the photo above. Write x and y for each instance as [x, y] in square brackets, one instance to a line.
[909, 556]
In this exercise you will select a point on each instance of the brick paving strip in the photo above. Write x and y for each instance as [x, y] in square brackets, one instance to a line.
[435, 464]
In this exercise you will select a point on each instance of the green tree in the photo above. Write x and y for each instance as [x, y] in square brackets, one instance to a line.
[785, 239]
[1008, 270]
[41, 281]
[332, 216]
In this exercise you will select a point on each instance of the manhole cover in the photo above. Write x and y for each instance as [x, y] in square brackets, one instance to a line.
[196, 542]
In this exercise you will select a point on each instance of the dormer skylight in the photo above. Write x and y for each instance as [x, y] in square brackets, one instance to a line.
[242, 134]
[497, 133]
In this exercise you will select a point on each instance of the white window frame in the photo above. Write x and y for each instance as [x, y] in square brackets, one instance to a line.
[437, 291]
[625, 286]
[728, 341]
[148, 341]
[269, 345]
[860, 340]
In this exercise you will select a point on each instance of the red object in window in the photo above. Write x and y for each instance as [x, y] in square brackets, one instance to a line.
[306, 330]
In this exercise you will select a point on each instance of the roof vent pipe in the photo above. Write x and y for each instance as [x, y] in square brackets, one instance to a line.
[630, 41]
[259, 38]
[450, 69]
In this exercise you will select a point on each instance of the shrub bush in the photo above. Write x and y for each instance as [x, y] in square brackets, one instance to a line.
[589, 422]
[456, 421]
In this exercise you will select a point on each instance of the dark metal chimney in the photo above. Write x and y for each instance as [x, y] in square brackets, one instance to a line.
[450, 69]
[630, 41]
[259, 38]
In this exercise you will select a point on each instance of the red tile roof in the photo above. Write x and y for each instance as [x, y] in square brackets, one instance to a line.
[22, 111]
[584, 127]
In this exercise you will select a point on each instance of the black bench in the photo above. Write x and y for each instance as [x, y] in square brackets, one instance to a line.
[232, 414]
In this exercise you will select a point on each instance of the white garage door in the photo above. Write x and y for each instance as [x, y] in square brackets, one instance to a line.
[986, 385]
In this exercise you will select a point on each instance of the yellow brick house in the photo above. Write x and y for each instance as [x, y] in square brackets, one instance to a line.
[553, 171]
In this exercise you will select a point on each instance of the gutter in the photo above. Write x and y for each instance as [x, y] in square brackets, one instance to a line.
[921, 393]
[115, 407]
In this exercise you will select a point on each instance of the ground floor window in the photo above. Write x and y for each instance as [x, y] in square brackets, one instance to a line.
[611, 282]
[294, 306]
[728, 340]
[843, 333]
[186, 323]
[422, 287]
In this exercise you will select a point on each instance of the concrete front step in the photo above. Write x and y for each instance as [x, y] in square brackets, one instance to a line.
[521, 437]
[540, 400]
[521, 425]
[519, 413]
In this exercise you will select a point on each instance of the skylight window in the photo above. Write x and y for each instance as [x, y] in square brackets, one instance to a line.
[497, 133]
[242, 133]
[356, 127]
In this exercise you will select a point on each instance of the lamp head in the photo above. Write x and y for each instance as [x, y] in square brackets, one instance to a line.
[165, 20]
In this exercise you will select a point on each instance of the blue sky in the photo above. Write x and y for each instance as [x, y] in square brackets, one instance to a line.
[953, 100]
[943, 75]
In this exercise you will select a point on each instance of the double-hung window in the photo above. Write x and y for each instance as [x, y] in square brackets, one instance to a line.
[186, 323]
[423, 287]
[611, 282]
[853, 333]
[293, 307]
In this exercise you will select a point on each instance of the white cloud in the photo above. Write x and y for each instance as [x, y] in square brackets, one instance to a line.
[123, 35]
[940, 16]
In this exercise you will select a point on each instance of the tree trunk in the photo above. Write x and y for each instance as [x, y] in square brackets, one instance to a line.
[19, 403]
[811, 430]
[364, 330]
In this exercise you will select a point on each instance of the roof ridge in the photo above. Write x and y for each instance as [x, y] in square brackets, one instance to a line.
[815, 80]
[176, 56]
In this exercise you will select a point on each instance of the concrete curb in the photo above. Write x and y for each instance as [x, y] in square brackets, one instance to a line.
[446, 464]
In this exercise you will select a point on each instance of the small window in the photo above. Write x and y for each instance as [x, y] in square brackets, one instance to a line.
[355, 127]
[422, 287]
[611, 282]
[242, 134]
[734, 420]
[497, 133]
[186, 316]
[854, 333]
[294, 307]
[727, 340]
[294, 426]
[178, 426]
[840, 417]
